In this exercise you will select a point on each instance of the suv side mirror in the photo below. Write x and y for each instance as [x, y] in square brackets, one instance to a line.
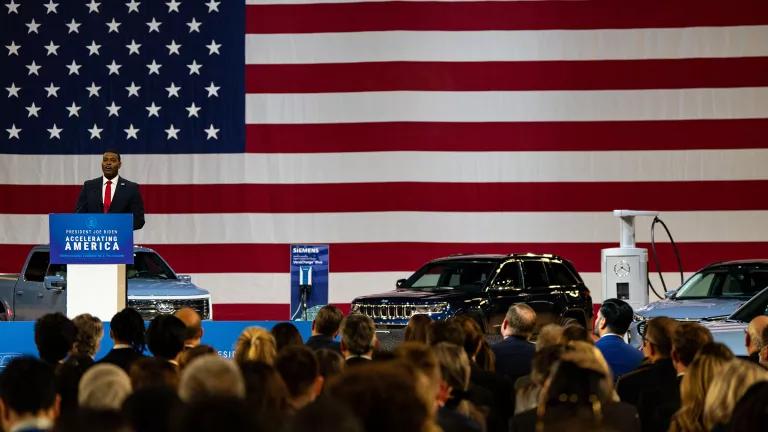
[185, 278]
[55, 282]
[400, 283]
[670, 294]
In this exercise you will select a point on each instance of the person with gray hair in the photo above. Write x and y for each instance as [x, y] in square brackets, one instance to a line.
[211, 376]
[90, 330]
[515, 353]
[104, 387]
[358, 339]
[753, 339]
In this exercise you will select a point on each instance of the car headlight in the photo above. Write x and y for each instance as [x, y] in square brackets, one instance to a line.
[638, 318]
[431, 308]
[355, 308]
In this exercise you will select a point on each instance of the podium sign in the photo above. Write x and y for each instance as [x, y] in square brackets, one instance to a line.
[309, 279]
[91, 238]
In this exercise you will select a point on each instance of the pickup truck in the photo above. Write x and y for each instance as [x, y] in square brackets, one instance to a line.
[483, 287]
[153, 288]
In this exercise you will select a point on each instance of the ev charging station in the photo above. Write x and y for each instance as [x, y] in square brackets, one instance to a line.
[625, 269]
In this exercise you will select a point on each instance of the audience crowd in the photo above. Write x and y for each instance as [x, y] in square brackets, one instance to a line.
[444, 376]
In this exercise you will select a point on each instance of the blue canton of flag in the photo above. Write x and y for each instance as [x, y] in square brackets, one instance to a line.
[142, 77]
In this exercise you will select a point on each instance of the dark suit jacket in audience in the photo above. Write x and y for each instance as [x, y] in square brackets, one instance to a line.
[653, 389]
[322, 341]
[513, 357]
[500, 389]
[616, 416]
[357, 360]
[123, 357]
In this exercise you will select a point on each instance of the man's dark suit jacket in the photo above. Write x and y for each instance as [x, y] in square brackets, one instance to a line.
[513, 357]
[127, 199]
[616, 416]
[322, 341]
[654, 390]
[123, 357]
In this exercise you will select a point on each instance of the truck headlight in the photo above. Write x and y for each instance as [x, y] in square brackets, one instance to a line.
[428, 309]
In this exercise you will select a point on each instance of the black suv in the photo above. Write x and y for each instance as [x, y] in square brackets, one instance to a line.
[483, 286]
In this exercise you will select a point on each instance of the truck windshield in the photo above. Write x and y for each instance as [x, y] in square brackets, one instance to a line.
[146, 265]
[468, 276]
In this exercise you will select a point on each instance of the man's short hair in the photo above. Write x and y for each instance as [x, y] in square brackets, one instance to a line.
[521, 319]
[54, 336]
[687, 339]
[358, 334]
[211, 376]
[148, 372]
[128, 326]
[165, 336]
[328, 320]
[617, 315]
[299, 368]
[659, 332]
[192, 319]
[27, 385]
[446, 331]
[112, 150]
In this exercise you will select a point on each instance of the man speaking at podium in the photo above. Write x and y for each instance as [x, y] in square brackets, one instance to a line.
[111, 193]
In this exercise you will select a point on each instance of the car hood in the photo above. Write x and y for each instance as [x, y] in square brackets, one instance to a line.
[691, 309]
[161, 288]
[406, 296]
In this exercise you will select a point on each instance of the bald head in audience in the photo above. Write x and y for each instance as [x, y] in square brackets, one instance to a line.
[194, 324]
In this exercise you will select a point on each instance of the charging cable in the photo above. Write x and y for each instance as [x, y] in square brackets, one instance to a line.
[656, 256]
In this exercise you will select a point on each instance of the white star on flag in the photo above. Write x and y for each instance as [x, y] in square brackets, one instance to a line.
[73, 26]
[32, 110]
[213, 6]
[173, 91]
[95, 131]
[133, 47]
[93, 89]
[173, 48]
[52, 49]
[194, 25]
[154, 67]
[173, 6]
[211, 132]
[194, 68]
[32, 26]
[153, 110]
[74, 68]
[172, 132]
[13, 49]
[74, 110]
[50, 7]
[13, 132]
[93, 48]
[55, 132]
[192, 110]
[13, 7]
[113, 26]
[133, 6]
[213, 48]
[52, 90]
[13, 91]
[34, 68]
[133, 89]
[213, 90]
[93, 6]
[131, 132]
[154, 25]
[114, 68]
[113, 110]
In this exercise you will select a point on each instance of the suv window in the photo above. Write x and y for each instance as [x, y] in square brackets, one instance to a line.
[560, 275]
[534, 274]
[38, 264]
[717, 283]
[508, 277]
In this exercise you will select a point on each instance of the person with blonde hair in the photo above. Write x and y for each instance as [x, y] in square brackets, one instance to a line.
[89, 333]
[706, 364]
[256, 344]
[727, 388]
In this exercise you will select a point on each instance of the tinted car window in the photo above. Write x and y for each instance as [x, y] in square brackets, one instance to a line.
[759, 280]
[38, 263]
[534, 274]
[719, 283]
[463, 275]
[560, 275]
[508, 277]
[148, 265]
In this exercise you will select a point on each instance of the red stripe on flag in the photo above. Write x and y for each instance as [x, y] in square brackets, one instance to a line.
[480, 76]
[516, 15]
[415, 196]
[507, 136]
[251, 311]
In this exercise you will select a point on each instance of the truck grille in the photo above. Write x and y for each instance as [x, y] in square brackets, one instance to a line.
[150, 308]
[392, 311]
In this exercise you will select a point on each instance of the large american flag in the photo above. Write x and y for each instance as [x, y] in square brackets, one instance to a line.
[396, 132]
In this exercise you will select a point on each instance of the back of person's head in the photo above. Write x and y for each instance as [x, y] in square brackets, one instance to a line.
[328, 320]
[543, 361]
[54, 336]
[193, 321]
[477, 347]
[574, 333]
[255, 344]
[418, 328]
[89, 333]
[189, 354]
[358, 334]
[68, 375]
[454, 365]
[325, 415]
[217, 413]
[151, 409]
[385, 397]
[94, 420]
[27, 386]
[550, 334]
[165, 336]
[331, 363]
[104, 386]
[286, 334]
[127, 327]
[707, 363]
[617, 315]
[520, 320]
[446, 331]
[751, 410]
[299, 368]
[209, 376]
[153, 372]
[755, 329]
[421, 358]
[687, 339]
[265, 392]
[727, 388]
[658, 333]
[579, 378]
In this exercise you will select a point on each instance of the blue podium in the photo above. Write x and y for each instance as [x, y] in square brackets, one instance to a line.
[95, 248]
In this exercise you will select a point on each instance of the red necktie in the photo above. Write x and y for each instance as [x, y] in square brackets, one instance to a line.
[108, 196]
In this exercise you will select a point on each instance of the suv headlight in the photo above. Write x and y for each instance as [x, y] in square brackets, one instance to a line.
[355, 308]
[638, 318]
[431, 308]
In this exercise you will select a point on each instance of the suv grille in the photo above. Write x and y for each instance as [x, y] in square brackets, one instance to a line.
[392, 311]
[150, 308]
